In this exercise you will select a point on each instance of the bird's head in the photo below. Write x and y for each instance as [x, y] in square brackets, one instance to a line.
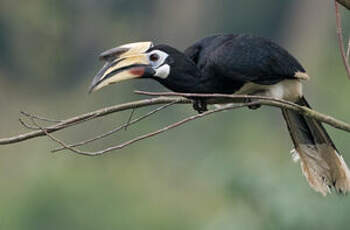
[139, 60]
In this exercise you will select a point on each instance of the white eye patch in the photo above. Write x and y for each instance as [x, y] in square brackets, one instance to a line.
[157, 59]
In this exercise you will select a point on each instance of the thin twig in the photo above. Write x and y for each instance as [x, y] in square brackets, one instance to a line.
[340, 38]
[39, 117]
[46, 131]
[113, 131]
[148, 135]
[129, 119]
[25, 125]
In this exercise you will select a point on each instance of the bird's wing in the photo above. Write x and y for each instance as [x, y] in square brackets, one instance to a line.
[244, 58]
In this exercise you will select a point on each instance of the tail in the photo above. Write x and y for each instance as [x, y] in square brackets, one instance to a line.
[320, 161]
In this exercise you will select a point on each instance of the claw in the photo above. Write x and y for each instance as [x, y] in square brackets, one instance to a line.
[200, 105]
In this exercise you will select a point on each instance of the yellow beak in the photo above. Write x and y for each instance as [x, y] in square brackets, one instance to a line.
[122, 63]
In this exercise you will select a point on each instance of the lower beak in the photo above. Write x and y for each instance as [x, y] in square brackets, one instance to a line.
[129, 62]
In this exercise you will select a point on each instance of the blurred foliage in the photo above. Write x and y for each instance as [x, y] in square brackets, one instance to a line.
[222, 172]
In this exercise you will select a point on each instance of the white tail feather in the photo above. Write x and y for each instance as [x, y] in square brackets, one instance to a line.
[324, 169]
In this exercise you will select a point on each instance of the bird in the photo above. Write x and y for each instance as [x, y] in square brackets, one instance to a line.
[241, 64]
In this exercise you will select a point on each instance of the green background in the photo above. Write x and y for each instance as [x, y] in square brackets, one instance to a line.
[229, 171]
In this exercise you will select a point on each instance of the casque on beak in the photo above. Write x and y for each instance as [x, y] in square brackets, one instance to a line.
[123, 63]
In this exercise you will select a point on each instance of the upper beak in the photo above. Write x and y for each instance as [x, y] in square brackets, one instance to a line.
[122, 63]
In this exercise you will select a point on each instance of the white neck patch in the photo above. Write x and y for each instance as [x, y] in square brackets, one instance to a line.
[163, 71]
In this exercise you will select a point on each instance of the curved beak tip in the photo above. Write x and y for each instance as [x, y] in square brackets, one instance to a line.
[91, 89]
[95, 82]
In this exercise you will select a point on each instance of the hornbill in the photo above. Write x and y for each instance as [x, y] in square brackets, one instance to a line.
[235, 64]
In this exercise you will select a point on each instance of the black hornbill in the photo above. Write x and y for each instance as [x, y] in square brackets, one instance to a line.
[235, 64]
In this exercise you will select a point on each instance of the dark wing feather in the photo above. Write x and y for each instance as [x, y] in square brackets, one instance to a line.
[243, 58]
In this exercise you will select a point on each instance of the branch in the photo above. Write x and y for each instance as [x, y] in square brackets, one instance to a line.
[92, 115]
[340, 37]
[113, 131]
[167, 98]
[265, 101]
[145, 136]
[345, 3]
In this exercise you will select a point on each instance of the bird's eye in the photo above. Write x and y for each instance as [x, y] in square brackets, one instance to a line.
[157, 58]
[154, 57]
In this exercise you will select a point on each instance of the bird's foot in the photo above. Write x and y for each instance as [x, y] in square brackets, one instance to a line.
[252, 107]
[200, 105]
